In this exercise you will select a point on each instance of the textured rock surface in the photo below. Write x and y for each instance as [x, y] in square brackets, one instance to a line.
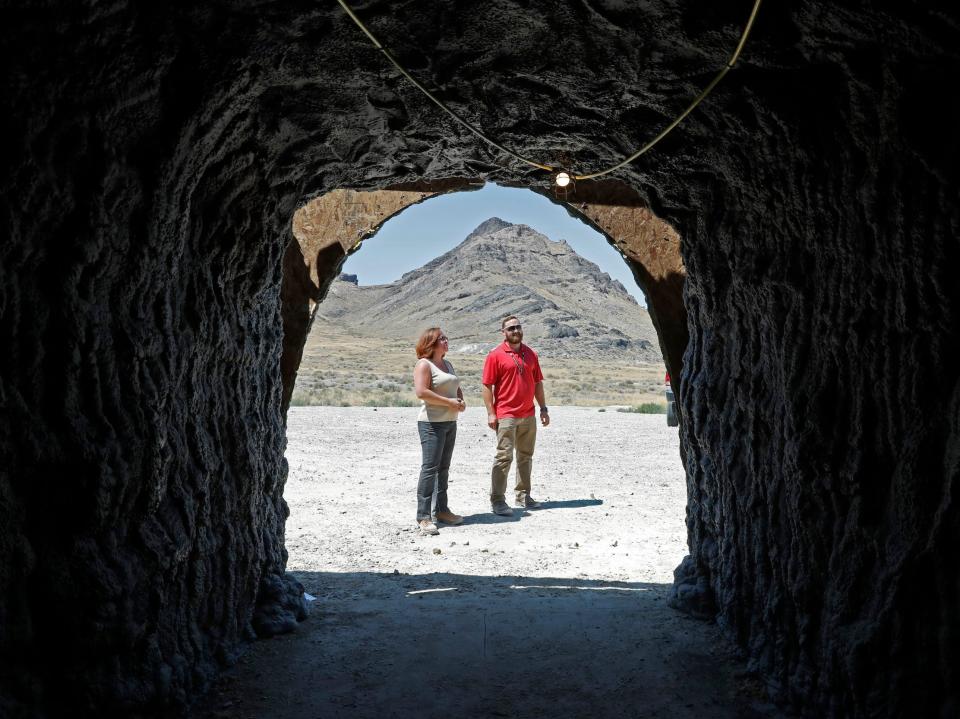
[154, 157]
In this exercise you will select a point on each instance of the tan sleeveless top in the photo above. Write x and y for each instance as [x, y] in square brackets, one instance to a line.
[444, 383]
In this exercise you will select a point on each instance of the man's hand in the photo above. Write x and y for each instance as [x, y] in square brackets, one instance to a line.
[544, 419]
[492, 421]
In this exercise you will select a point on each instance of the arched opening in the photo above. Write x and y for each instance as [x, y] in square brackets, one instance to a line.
[330, 227]
[600, 327]
[591, 567]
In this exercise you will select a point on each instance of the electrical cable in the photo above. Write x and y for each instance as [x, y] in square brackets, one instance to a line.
[550, 168]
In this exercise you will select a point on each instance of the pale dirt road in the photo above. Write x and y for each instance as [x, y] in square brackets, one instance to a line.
[556, 612]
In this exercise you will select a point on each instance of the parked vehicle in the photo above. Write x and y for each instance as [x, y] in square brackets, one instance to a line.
[672, 419]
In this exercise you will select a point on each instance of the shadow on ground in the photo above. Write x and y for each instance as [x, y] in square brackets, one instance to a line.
[519, 513]
[569, 504]
[398, 645]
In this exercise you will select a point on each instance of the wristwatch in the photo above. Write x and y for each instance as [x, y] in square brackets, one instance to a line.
[543, 408]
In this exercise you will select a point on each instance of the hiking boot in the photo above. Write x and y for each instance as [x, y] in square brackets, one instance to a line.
[450, 518]
[427, 527]
[501, 508]
[525, 501]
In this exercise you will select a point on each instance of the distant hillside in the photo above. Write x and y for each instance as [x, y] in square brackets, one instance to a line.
[568, 307]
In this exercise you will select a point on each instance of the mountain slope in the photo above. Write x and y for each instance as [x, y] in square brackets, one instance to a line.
[568, 306]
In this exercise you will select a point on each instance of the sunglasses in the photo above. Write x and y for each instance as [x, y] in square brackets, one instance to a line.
[442, 338]
[512, 328]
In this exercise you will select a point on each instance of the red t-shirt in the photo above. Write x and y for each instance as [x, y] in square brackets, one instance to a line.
[514, 376]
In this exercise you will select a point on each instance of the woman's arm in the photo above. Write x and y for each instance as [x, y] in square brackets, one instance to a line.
[463, 402]
[421, 387]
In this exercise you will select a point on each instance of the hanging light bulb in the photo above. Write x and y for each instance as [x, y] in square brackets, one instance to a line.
[562, 179]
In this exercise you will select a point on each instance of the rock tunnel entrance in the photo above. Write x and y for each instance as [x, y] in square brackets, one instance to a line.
[155, 155]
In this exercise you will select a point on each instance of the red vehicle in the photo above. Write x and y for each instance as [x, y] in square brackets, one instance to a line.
[672, 419]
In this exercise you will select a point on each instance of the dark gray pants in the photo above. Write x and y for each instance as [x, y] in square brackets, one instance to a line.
[436, 440]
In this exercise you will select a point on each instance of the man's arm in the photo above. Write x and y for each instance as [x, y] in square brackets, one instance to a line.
[541, 400]
[488, 401]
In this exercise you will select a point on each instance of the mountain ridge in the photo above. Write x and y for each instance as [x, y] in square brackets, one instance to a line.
[568, 305]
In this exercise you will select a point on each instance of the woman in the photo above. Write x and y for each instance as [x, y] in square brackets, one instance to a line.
[438, 389]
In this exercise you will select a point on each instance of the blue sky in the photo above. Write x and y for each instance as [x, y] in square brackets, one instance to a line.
[424, 231]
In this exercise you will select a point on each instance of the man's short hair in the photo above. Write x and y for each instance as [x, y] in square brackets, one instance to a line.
[503, 322]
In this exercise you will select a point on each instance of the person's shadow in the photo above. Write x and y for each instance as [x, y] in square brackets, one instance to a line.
[568, 504]
[491, 518]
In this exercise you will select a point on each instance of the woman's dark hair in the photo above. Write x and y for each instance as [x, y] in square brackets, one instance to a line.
[426, 342]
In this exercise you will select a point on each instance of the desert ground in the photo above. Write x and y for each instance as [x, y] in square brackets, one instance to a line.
[556, 612]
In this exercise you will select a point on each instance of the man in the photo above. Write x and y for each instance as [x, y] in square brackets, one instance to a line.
[511, 379]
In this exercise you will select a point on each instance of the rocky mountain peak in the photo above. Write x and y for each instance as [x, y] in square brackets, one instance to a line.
[568, 305]
[510, 240]
[494, 224]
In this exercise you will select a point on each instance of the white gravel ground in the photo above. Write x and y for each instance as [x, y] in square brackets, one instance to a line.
[555, 612]
[611, 483]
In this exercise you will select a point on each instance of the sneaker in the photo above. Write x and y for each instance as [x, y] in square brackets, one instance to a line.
[450, 518]
[502, 509]
[525, 501]
[427, 527]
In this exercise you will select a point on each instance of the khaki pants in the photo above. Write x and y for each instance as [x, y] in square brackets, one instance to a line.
[513, 433]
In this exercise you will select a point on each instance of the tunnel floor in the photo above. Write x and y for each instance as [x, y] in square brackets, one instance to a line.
[559, 611]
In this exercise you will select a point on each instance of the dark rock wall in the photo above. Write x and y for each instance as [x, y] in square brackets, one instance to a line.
[141, 436]
[154, 156]
[822, 380]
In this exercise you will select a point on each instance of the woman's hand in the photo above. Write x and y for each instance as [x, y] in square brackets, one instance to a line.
[463, 403]
[457, 404]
